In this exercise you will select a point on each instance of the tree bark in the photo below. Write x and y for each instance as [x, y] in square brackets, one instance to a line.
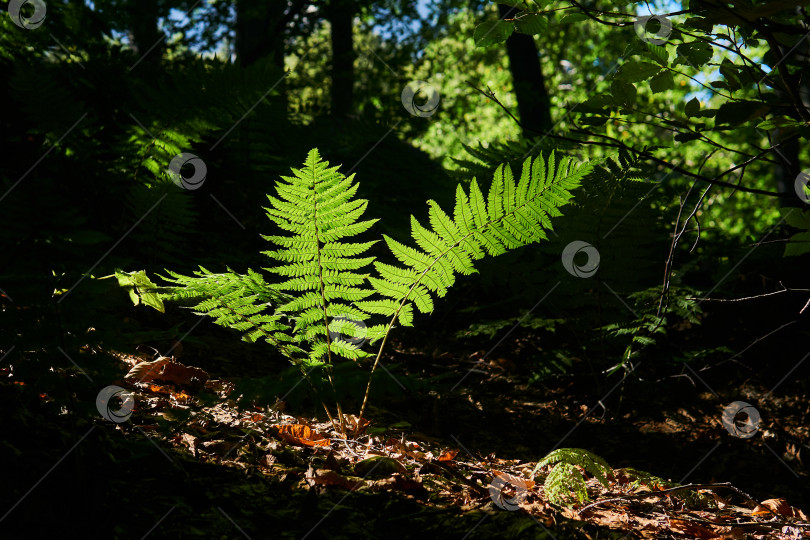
[788, 166]
[341, 17]
[143, 27]
[257, 31]
[259, 35]
[534, 105]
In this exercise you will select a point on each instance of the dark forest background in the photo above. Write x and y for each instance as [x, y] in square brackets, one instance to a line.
[698, 118]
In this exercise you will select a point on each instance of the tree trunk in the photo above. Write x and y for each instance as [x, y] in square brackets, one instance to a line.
[788, 167]
[534, 106]
[143, 26]
[260, 34]
[341, 16]
[257, 31]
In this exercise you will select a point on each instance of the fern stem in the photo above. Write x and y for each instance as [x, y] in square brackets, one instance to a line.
[394, 318]
[405, 299]
[323, 308]
[286, 352]
[374, 367]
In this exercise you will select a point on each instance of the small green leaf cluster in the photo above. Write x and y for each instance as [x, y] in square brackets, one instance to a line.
[799, 243]
[527, 19]
[565, 483]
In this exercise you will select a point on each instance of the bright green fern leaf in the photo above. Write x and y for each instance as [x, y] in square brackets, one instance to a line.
[245, 303]
[513, 214]
[316, 207]
[564, 485]
[141, 289]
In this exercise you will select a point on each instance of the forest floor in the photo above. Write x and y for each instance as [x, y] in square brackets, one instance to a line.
[453, 459]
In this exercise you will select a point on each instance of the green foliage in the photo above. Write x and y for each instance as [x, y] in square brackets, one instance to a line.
[319, 308]
[452, 63]
[510, 216]
[482, 161]
[140, 288]
[489, 329]
[643, 478]
[565, 481]
[652, 313]
[799, 243]
[315, 205]
[620, 210]
[523, 21]
[492, 32]
[687, 93]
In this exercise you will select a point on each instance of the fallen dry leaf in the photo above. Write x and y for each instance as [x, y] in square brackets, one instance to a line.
[355, 424]
[189, 441]
[692, 529]
[181, 396]
[448, 455]
[147, 371]
[413, 450]
[158, 389]
[777, 506]
[301, 435]
[399, 482]
[165, 370]
[220, 447]
[516, 481]
[330, 478]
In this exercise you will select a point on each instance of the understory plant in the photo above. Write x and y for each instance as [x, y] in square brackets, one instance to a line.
[565, 483]
[330, 298]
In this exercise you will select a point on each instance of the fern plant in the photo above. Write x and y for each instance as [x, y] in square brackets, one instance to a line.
[328, 289]
[565, 482]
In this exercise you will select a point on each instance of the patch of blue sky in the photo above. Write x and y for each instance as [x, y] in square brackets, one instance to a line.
[708, 72]
[178, 18]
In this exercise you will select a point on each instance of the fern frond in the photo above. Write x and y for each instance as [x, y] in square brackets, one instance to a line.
[512, 215]
[589, 461]
[243, 302]
[205, 283]
[565, 481]
[316, 206]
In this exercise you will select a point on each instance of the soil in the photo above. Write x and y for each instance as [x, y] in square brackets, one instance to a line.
[224, 471]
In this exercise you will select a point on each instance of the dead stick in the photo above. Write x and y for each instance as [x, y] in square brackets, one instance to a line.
[726, 485]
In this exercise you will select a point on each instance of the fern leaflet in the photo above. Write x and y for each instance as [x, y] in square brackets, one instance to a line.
[512, 215]
[565, 478]
[316, 206]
